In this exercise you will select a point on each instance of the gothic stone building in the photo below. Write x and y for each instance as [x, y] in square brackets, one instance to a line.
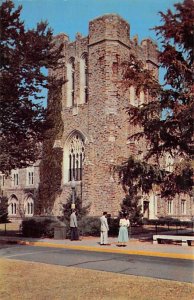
[96, 129]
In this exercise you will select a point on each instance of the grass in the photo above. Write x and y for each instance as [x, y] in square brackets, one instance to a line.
[28, 280]
[11, 229]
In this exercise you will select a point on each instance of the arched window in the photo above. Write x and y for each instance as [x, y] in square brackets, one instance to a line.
[141, 98]
[71, 82]
[29, 206]
[169, 161]
[12, 206]
[132, 95]
[76, 155]
[83, 79]
[73, 158]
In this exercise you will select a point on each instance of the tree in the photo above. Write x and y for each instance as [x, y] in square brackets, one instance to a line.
[25, 57]
[166, 122]
[4, 210]
[81, 210]
[131, 207]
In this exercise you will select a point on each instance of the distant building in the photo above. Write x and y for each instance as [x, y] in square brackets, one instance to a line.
[96, 129]
[21, 189]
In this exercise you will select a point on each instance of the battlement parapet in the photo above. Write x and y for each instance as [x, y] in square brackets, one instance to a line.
[109, 27]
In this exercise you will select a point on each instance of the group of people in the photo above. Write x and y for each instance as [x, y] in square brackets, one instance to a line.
[123, 236]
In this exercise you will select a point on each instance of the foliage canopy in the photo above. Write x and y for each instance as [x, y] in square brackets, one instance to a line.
[166, 122]
[26, 55]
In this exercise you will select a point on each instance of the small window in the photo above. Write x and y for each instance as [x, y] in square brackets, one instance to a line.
[30, 175]
[83, 79]
[169, 163]
[30, 178]
[170, 207]
[2, 180]
[132, 96]
[71, 82]
[15, 179]
[183, 207]
[141, 98]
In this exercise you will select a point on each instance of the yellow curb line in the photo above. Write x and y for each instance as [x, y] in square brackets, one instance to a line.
[110, 250]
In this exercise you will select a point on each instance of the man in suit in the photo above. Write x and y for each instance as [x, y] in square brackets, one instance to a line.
[104, 229]
[73, 226]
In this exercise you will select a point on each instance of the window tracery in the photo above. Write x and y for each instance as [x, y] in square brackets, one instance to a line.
[76, 157]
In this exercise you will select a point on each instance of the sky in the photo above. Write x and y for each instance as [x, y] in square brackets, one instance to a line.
[72, 16]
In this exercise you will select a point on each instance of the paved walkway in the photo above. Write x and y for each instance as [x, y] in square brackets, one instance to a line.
[134, 246]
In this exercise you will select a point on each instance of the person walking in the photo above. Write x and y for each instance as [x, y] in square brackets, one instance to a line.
[104, 229]
[73, 226]
[123, 236]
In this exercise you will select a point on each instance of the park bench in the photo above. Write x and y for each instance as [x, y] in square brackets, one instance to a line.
[186, 240]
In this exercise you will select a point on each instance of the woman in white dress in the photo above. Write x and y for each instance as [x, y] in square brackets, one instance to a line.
[123, 236]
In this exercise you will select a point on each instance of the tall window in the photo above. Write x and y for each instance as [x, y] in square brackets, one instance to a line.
[13, 205]
[15, 177]
[169, 163]
[76, 156]
[170, 207]
[132, 95]
[71, 82]
[29, 206]
[141, 97]
[31, 177]
[183, 207]
[83, 79]
[2, 180]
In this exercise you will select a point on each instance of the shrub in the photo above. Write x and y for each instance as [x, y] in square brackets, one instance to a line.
[89, 226]
[130, 206]
[81, 212]
[113, 226]
[40, 226]
[3, 210]
[167, 221]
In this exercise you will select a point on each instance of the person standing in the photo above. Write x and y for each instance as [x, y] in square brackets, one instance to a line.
[104, 229]
[73, 226]
[123, 236]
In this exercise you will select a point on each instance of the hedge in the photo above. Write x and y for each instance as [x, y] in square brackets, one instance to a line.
[40, 226]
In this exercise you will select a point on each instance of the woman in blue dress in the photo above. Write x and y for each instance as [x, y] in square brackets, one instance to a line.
[123, 236]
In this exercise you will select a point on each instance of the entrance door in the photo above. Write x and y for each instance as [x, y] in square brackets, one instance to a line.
[146, 209]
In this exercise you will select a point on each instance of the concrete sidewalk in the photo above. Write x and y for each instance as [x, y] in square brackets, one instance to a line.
[134, 246]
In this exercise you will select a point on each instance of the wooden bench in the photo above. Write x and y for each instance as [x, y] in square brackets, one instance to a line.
[186, 240]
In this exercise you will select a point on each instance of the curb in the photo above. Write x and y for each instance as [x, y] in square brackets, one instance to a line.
[109, 250]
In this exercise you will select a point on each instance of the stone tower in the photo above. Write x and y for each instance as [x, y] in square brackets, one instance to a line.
[95, 122]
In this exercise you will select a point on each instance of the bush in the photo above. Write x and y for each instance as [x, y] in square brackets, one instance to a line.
[130, 206]
[167, 221]
[3, 210]
[89, 226]
[113, 226]
[39, 226]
